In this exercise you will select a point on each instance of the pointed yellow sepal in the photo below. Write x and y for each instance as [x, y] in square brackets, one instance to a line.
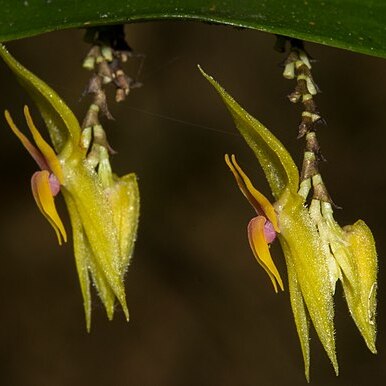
[308, 277]
[123, 195]
[62, 125]
[278, 166]
[104, 243]
[361, 295]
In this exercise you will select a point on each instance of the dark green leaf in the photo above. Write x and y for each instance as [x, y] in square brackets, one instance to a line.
[357, 25]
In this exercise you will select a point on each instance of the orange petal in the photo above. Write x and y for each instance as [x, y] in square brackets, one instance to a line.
[45, 201]
[47, 151]
[256, 199]
[261, 250]
[34, 152]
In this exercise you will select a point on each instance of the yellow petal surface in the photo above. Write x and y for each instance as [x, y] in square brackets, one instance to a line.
[45, 201]
[361, 295]
[256, 199]
[261, 250]
[86, 263]
[124, 199]
[81, 258]
[302, 319]
[96, 216]
[303, 249]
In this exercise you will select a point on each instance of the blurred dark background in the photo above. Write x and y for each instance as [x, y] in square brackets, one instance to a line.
[202, 311]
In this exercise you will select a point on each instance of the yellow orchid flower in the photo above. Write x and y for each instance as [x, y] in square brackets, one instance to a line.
[103, 208]
[317, 250]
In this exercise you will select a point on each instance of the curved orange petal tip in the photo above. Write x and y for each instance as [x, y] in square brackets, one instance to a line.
[41, 189]
[255, 198]
[260, 248]
[32, 150]
[47, 151]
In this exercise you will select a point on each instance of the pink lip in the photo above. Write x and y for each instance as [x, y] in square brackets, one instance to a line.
[54, 184]
[269, 232]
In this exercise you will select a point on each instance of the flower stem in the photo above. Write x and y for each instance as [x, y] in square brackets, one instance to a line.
[298, 66]
[109, 51]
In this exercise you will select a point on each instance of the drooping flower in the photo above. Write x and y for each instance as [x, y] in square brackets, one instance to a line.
[103, 208]
[317, 251]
